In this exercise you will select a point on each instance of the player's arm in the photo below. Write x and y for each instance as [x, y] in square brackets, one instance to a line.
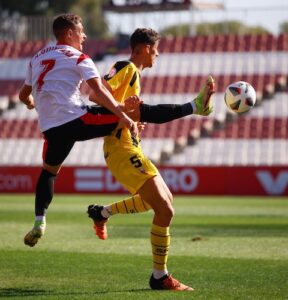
[26, 97]
[93, 95]
[25, 92]
[107, 85]
[130, 104]
[103, 97]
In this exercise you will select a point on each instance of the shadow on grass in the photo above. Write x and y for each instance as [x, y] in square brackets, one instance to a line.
[18, 292]
[22, 292]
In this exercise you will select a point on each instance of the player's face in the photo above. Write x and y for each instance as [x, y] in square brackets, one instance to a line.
[78, 36]
[152, 54]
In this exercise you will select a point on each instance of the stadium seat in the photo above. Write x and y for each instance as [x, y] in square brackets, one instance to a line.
[177, 76]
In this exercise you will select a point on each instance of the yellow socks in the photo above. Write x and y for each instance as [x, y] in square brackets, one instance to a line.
[131, 205]
[160, 241]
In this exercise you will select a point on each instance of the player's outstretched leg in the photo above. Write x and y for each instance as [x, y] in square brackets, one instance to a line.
[202, 103]
[163, 113]
[94, 212]
[32, 237]
[167, 282]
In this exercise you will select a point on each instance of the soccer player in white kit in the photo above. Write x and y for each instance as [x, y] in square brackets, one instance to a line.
[54, 76]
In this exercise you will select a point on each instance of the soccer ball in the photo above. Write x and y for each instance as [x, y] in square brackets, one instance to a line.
[240, 96]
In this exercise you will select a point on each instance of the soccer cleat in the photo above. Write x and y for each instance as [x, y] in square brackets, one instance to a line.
[167, 282]
[32, 237]
[94, 212]
[203, 100]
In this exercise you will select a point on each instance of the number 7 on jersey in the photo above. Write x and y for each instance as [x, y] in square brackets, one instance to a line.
[48, 65]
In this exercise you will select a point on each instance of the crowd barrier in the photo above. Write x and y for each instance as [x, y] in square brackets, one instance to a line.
[224, 180]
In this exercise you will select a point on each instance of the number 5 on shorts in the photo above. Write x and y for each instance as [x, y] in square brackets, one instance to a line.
[135, 161]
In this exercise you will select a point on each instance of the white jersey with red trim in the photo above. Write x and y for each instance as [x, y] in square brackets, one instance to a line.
[55, 74]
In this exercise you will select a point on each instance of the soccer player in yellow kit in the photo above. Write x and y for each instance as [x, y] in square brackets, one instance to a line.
[128, 164]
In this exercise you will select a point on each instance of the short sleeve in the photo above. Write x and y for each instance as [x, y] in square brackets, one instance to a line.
[87, 67]
[28, 78]
[117, 78]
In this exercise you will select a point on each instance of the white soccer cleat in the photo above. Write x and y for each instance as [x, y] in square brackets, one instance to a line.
[32, 237]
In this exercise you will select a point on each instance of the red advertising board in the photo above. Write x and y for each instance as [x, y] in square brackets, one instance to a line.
[224, 180]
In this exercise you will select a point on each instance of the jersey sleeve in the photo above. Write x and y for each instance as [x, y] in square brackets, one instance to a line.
[87, 67]
[28, 78]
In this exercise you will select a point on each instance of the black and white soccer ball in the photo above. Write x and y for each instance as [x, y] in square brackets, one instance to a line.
[240, 96]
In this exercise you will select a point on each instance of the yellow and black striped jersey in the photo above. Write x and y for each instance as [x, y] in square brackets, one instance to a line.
[124, 80]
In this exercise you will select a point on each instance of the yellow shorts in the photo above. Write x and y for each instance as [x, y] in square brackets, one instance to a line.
[129, 166]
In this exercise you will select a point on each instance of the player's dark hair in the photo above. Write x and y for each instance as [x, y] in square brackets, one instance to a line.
[144, 36]
[64, 22]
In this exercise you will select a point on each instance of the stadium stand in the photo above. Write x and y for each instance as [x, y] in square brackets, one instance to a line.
[259, 137]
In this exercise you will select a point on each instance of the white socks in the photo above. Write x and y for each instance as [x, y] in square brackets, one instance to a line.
[106, 212]
[40, 218]
[157, 274]
[193, 107]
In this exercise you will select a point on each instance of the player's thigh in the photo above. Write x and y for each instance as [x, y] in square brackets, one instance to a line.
[156, 193]
[97, 122]
[131, 168]
[165, 188]
[55, 151]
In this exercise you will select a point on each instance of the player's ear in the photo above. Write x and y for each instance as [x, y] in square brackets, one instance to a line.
[69, 33]
[147, 48]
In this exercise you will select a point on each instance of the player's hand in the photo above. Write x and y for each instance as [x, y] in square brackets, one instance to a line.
[132, 103]
[130, 124]
[141, 126]
[30, 106]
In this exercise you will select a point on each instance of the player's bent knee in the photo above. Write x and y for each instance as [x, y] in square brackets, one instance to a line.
[52, 169]
[165, 210]
[171, 212]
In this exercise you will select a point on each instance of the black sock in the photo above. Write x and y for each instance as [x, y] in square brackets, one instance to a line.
[44, 192]
[163, 113]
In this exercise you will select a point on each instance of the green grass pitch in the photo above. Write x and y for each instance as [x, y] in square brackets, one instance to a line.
[225, 247]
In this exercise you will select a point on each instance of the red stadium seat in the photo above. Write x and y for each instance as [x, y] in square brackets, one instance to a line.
[282, 42]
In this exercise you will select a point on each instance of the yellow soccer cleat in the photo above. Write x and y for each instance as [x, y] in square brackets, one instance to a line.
[32, 237]
[203, 101]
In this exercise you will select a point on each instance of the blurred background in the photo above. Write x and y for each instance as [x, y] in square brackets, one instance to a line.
[223, 154]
